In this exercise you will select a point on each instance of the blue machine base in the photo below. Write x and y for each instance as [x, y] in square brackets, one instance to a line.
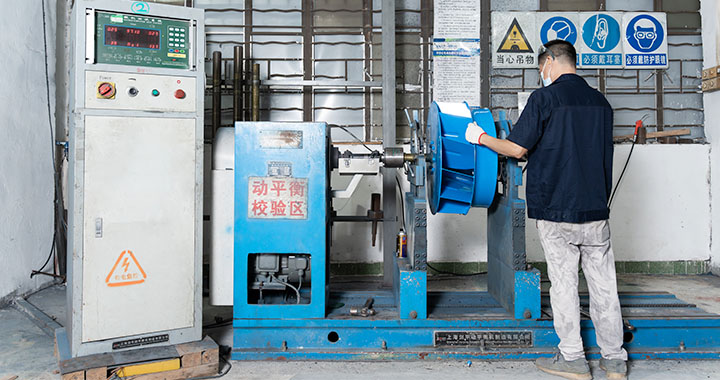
[457, 354]
[658, 326]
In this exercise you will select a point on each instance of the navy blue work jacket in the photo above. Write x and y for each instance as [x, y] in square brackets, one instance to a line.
[567, 130]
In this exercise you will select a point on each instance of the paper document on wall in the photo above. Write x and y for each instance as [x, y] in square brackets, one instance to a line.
[456, 51]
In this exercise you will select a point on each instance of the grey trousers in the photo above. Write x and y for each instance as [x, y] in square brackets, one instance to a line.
[566, 244]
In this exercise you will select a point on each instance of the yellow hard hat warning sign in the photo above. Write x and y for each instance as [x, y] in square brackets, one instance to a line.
[515, 40]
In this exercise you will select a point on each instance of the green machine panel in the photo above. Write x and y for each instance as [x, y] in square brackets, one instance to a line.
[137, 40]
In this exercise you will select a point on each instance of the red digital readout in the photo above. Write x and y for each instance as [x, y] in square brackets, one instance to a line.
[132, 37]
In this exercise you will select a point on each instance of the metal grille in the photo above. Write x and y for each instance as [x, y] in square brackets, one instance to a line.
[337, 76]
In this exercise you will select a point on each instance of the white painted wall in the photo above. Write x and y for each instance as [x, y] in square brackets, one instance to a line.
[710, 12]
[660, 213]
[661, 208]
[26, 145]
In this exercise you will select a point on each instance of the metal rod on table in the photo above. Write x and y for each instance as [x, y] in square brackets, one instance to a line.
[237, 83]
[216, 83]
[256, 92]
[356, 218]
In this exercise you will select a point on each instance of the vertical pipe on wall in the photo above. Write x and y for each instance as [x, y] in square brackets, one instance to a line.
[256, 92]
[216, 83]
[307, 52]
[389, 130]
[367, 66]
[237, 83]
[247, 31]
[426, 27]
[660, 90]
[485, 54]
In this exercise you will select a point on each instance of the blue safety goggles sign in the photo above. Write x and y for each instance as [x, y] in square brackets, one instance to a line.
[645, 40]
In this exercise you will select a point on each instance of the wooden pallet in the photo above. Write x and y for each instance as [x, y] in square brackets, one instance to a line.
[201, 358]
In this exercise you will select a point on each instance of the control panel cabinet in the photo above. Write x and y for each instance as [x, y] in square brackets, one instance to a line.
[135, 176]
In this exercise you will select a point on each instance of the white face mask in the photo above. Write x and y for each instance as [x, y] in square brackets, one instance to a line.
[546, 81]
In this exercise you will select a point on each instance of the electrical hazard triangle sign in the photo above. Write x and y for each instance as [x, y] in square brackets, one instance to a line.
[515, 40]
[126, 271]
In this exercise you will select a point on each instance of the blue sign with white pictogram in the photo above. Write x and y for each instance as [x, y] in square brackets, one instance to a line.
[601, 33]
[645, 40]
[644, 33]
[558, 28]
[600, 43]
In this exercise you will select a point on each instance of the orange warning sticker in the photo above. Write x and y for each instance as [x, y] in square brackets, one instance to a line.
[126, 271]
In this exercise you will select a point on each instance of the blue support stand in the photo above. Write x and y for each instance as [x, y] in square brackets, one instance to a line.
[410, 290]
[510, 280]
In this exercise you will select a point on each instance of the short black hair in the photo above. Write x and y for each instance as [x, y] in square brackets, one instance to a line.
[558, 49]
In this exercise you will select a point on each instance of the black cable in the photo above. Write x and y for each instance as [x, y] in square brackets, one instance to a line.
[217, 324]
[402, 201]
[402, 208]
[353, 136]
[52, 250]
[56, 177]
[627, 161]
[454, 274]
[219, 375]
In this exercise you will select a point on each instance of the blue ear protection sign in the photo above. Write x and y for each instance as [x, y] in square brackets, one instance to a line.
[600, 41]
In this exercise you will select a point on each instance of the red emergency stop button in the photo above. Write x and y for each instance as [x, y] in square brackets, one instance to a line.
[106, 90]
[180, 94]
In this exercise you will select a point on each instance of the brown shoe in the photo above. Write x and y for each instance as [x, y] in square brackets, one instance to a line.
[558, 366]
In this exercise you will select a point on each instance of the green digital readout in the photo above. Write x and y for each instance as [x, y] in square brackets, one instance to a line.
[137, 40]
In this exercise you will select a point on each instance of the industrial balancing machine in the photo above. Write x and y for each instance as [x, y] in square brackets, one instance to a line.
[285, 306]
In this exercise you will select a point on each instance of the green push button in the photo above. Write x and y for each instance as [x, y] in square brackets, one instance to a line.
[155, 92]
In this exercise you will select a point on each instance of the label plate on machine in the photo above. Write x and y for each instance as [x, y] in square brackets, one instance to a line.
[485, 339]
[281, 139]
[277, 198]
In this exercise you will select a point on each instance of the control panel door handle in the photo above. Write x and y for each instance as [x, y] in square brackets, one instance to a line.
[98, 227]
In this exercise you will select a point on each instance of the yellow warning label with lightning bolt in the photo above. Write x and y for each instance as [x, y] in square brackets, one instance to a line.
[515, 40]
[126, 271]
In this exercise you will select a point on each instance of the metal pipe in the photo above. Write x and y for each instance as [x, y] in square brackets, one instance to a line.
[216, 83]
[256, 92]
[389, 90]
[375, 213]
[641, 136]
[237, 83]
[357, 218]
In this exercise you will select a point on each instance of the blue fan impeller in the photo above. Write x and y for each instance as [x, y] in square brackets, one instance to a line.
[460, 175]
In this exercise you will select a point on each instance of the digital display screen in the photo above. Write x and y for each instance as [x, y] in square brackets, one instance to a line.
[132, 37]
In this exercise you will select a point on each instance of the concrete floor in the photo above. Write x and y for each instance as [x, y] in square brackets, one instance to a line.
[27, 351]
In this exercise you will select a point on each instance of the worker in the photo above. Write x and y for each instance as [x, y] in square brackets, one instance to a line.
[566, 132]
